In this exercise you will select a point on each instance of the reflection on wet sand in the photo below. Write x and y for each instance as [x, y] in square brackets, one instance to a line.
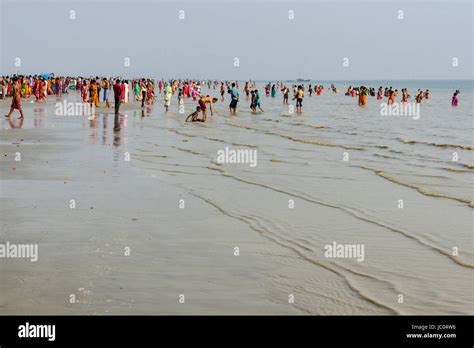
[39, 115]
[18, 123]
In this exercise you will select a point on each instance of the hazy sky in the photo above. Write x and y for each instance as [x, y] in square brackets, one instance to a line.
[267, 43]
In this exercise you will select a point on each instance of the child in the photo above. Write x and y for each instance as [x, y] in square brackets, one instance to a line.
[194, 115]
[257, 101]
[252, 101]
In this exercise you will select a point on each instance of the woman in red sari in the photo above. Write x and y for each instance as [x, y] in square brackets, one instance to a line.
[36, 89]
[84, 91]
[150, 95]
[16, 101]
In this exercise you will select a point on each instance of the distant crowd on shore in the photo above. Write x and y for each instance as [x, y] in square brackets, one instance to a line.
[142, 90]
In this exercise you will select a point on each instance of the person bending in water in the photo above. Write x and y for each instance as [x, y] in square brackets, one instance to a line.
[202, 104]
[194, 115]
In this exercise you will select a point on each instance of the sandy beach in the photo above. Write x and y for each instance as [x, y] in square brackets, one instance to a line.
[130, 246]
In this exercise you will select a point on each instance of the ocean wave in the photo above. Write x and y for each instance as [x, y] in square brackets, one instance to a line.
[420, 189]
[288, 244]
[351, 212]
[412, 142]
[301, 140]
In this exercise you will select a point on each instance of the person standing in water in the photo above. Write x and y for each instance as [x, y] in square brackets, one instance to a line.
[247, 90]
[99, 87]
[299, 95]
[379, 93]
[222, 91]
[454, 100]
[405, 95]
[144, 91]
[286, 93]
[167, 95]
[391, 97]
[362, 96]
[427, 94]
[419, 96]
[267, 90]
[274, 91]
[234, 99]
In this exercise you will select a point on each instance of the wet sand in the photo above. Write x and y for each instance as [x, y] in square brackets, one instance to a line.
[173, 251]
[135, 204]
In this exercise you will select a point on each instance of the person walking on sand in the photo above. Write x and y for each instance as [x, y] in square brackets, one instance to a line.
[118, 87]
[105, 87]
[16, 101]
[118, 91]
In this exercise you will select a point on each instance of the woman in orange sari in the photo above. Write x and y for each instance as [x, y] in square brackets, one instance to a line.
[391, 97]
[94, 99]
[43, 90]
[362, 96]
[50, 90]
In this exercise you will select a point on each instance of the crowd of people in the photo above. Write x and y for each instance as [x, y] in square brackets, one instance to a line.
[93, 90]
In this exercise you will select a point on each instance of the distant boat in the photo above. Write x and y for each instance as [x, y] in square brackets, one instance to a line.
[302, 80]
